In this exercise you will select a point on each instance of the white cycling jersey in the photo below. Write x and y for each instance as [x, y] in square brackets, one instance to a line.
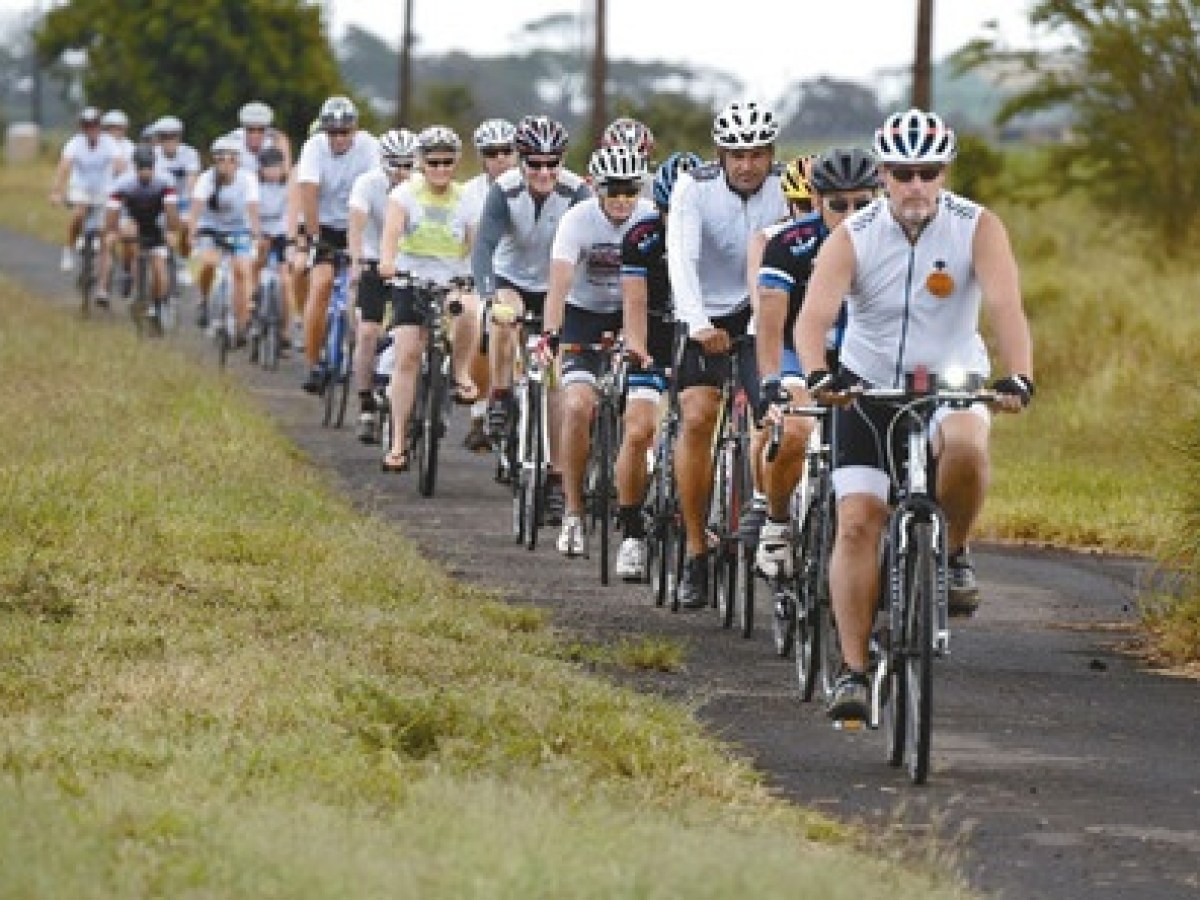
[708, 232]
[914, 304]
[591, 241]
[249, 158]
[92, 167]
[184, 163]
[370, 195]
[272, 207]
[474, 192]
[334, 175]
[232, 201]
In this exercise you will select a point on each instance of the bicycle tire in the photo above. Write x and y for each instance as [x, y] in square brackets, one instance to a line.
[603, 498]
[141, 300]
[272, 311]
[346, 374]
[809, 619]
[87, 275]
[219, 301]
[659, 531]
[728, 562]
[431, 413]
[534, 476]
[918, 652]
[512, 455]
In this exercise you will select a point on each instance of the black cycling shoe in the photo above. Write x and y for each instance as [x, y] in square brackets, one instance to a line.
[314, 382]
[851, 701]
[693, 586]
[476, 439]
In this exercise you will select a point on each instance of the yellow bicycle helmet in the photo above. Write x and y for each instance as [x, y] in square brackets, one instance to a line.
[795, 181]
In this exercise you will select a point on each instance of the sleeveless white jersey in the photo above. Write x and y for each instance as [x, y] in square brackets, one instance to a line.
[370, 195]
[523, 254]
[916, 304]
[92, 164]
[590, 241]
[334, 175]
[708, 232]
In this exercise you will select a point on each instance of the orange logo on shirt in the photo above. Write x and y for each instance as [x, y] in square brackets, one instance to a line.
[939, 282]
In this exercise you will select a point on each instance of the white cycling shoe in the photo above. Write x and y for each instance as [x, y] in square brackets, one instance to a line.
[631, 559]
[774, 555]
[573, 539]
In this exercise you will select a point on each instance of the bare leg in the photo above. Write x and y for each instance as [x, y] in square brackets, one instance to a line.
[693, 461]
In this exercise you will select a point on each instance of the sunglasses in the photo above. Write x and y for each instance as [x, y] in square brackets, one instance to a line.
[548, 164]
[841, 204]
[904, 176]
[338, 132]
[398, 167]
[225, 157]
[442, 163]
[627, 190]
[493, 152]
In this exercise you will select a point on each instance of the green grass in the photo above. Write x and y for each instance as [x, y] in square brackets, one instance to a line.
[213, 682]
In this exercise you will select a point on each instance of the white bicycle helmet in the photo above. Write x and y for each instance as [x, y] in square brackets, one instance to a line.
[629, 132]
[168, 125]
[617, 163]
[226, 144]
[114, 118]
[399, 145]
[494, 133]
[255, 114]
[439, 137]
[744, 125]
[915, 137]
[338, 112]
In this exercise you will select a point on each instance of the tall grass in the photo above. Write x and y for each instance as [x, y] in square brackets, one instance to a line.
[216, 679]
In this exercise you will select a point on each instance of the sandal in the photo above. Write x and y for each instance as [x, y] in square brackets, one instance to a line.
[464, 392]
[394, 462]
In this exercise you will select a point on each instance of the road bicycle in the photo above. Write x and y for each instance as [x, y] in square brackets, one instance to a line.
[912, 628]
[532, 379]
[802, 624]
[665, 538]
[438, 304]
[337, 352]
[92, 245]
[599, 481]
[146, 309]
[266, 323]
[223, 322]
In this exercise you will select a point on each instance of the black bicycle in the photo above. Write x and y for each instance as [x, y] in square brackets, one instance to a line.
[913, 628]
[665, 537]
[526, 449]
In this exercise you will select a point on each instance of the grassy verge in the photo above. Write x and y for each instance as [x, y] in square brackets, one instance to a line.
[218, 680]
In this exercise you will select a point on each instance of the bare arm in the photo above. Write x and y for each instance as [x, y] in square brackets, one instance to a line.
[354, 233]
[562, 271]
[833, 273]
[394, 224]
[309, 205]
[754, 255]
[635, 300]
[996, 269]
[60, 179]
[770, 320]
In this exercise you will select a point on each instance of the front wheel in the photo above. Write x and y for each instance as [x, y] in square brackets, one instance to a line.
[433, 400]
[918, 652]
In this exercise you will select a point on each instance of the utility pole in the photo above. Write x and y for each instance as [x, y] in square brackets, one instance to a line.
[404, 73]
[922, 93]
[599, 73]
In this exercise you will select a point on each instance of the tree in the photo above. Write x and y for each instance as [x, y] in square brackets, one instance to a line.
[199, 60]
[1131, 74]
[831, 108]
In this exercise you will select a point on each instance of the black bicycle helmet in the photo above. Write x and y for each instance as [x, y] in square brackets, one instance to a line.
[143, 157]
[270, 156]
[540, 134]
[844, 169]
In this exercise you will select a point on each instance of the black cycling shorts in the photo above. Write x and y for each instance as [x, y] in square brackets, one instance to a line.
[329, 241]
[534, 301]
[697, 369]
[583, 326]
[373, 294]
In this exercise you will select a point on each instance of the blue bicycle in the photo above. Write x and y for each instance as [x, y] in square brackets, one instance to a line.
[337, 355]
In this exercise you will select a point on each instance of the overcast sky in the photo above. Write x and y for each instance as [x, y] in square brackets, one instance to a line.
[766, 43]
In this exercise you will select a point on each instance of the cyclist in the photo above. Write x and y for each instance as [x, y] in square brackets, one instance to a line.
[299, 258]
[714, 211]
[256, 134]
[494, 144]
[845, 180]
[89, 162]
[140, 201]
[427, 222]
[225, 210]
[583, 302]
[272, 214]
[181, 162]
[116, 125]
[329, 162]
[511, 258]
[914, 268]
[368, 210]
[635, 135]
[649, 339]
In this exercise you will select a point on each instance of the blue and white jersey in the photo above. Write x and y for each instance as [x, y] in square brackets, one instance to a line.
[900, 315]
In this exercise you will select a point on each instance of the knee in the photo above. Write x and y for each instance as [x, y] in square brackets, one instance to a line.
[580, 401]
[859, 528]
[699, 414]
[639, 429]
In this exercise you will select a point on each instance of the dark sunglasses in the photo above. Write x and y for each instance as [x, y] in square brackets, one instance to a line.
[841, 204]
[493, 152]
[442, 163]
[626, 189]
[338, 132]
[543, 163]
[904, 176]
[393, 166]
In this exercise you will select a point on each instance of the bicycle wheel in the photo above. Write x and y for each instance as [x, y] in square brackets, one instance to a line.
[658, 534]
[918, 651]
[346, 372]
[271, 325]
[220, 301]
[140, 306]
[722, 525]
[811, 598]
[331, 364]
[431, 414]
[602, 500]
[87, 275]
[532, 466]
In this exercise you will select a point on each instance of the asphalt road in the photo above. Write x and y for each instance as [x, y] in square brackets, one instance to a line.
[1061, 767]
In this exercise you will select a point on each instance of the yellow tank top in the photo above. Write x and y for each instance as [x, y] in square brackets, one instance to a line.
[436, 233]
